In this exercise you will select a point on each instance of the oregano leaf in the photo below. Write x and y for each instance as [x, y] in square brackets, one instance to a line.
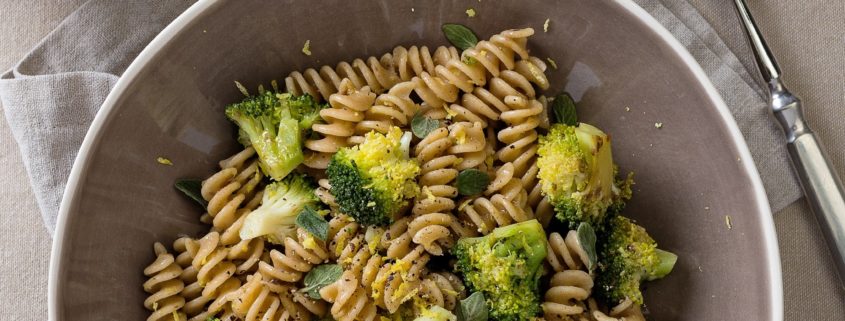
[472, 181]
[587, 239]
[473, 308]
[460, 36]
[564, 111]
[319, 277]
[192, 188]
[421, 125]
[311, 221]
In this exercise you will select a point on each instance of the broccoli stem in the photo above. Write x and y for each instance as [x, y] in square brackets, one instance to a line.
[667, 262]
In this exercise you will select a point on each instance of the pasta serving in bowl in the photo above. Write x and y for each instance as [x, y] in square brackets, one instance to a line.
[442, 169]
[418, 186]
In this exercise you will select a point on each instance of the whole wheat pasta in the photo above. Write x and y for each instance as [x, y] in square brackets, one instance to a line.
[461, 116]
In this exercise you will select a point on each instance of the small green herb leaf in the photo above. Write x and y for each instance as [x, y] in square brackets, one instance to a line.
[313, 222]
[319, 277]
[563, 108]
[191, 188]
[422, 126]
[460, 36]
[472, 181]
[473, 308]
[587, 239]
[212, 319]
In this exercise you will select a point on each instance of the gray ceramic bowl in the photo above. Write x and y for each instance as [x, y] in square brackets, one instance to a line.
[611, 55]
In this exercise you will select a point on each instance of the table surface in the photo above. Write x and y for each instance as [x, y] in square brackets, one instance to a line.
[808, 38]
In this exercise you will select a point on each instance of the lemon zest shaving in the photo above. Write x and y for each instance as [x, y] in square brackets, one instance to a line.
[306, 49]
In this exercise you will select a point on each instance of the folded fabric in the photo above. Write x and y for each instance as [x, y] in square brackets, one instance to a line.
[51, 96]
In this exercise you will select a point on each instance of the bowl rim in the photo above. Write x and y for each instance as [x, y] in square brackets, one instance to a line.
[92, 137]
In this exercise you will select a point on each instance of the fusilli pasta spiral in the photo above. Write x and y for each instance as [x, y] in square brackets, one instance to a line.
[566, 254]
[350, 301]
[442, 289]
[260, 299]
[210, 276]
[566, 295]
[432, 209]
[347, 110]
[299, 256]
[504, 207]
[625, 311]
[234, 187]
[164, 287]
[469, 145]
[520, 137]
[379, 74]
[393, 108]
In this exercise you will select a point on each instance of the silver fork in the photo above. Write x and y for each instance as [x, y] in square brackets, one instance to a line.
[822, 187]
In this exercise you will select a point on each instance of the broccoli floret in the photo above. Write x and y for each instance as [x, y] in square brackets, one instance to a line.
[506, 266]
[273, 125]
[373, 181]
[577, 174]
[628, 257]
[281, 204]
[304, 108]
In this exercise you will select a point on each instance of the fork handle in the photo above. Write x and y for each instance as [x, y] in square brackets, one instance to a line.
[818, 178]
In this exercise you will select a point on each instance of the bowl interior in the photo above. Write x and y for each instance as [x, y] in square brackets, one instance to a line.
[624, 76]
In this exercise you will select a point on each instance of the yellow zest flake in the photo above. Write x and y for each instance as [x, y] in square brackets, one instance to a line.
[306, 49]
[164, 161]
[658, 125]
[470, 12]
[728, 221]
[402, 288]
[460, 135]
[155, 306]
[489, 161]
[428, 193]
[347, 260]
[450, 292]
[449, 112]
[628, 109]
[546, 25]
[458, 161]
[310, 243]
[468, 60]
[374, 242]
[552, 62]
[371, 204]
[341, 243]
[464, 204]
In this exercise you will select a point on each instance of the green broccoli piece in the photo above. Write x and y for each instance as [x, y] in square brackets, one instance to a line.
[304, 108]
[372, 182]
[281, 204]
[628, 257]
[273, 124]
[506, 266]
[578, 175]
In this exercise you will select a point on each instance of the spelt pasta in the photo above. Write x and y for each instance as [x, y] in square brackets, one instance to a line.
[164, 287]
[480, 111]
